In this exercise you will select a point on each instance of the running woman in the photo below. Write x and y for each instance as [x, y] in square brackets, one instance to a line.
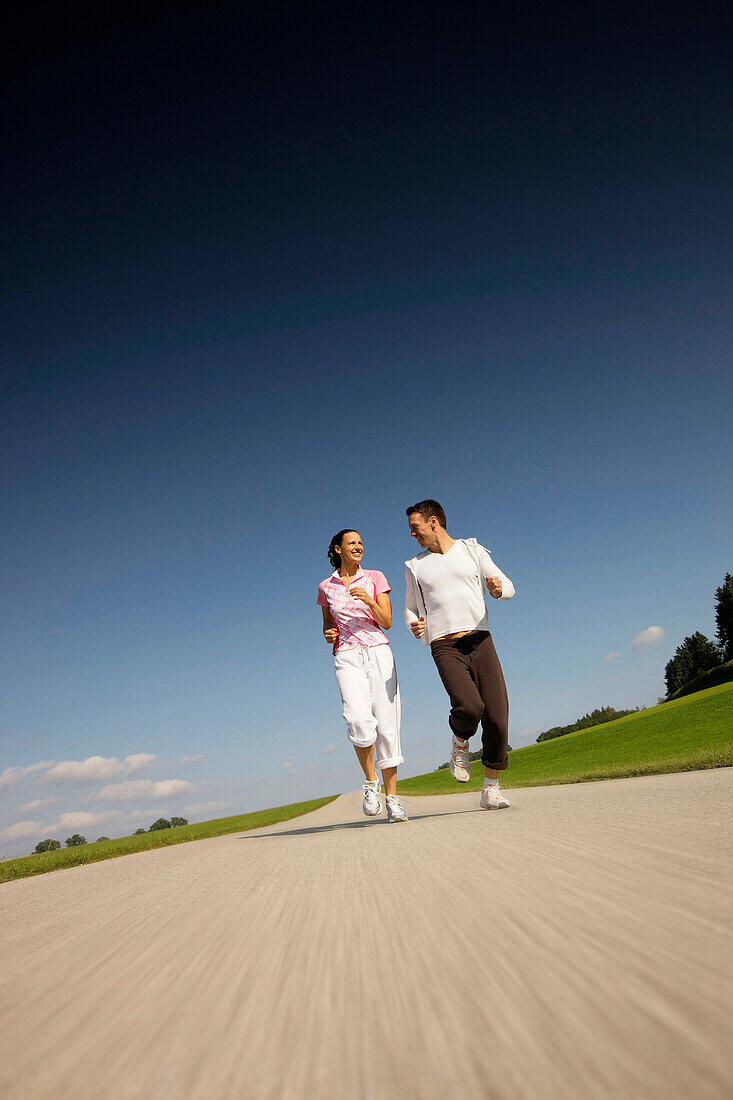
[446, 607]
[356, 613]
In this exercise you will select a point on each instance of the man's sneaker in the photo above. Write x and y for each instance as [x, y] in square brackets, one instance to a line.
[372, 802]
[395, 812]
[460, 762]
[493, 799]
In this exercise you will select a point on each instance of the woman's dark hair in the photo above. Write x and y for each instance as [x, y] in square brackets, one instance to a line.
[333, 556]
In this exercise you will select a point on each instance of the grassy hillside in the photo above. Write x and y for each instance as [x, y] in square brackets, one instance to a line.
[161, 838]
[684, 734]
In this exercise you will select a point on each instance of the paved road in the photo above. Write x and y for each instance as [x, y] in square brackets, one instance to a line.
[576, 945]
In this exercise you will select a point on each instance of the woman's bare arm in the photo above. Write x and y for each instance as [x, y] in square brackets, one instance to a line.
[381, 608]
[330, 633]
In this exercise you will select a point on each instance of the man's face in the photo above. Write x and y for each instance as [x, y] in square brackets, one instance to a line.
[421, 528]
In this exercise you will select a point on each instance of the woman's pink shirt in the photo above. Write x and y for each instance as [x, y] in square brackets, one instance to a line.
[354, 620]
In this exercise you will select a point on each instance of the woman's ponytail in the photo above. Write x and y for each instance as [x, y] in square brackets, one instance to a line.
[333, 556]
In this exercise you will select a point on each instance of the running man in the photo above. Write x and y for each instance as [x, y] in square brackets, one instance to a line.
[445, 606]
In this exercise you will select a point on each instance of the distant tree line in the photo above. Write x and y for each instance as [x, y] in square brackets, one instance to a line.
[696, 653]
[163, 823]
[49, 845]
[594, 718]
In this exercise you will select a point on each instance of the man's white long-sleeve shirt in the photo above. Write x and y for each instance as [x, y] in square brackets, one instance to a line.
[449, 589]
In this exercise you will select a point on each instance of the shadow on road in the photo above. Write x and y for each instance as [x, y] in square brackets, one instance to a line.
[352, 825]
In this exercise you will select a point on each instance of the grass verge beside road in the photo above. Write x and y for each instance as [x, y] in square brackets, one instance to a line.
[161, 838]
[685, 734]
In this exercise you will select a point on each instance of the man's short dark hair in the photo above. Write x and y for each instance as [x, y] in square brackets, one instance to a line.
[427, 508]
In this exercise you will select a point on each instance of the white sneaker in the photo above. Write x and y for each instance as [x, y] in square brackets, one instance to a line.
[493, 799]
[460, 762]
[395, 812]
[372, 802]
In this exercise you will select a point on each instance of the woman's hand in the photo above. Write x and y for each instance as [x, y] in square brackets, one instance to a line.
[380, 608]
[331, 634]
[361, 594]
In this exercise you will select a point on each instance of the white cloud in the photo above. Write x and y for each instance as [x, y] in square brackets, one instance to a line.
[133, 790]
[206, 807]
[95, 769]
[37, 803]
[22, 830]
[79, 819]
[309, 767]
[92, 770]
[137, 761]
[191, 758]
[329, 748]
[39, 766]
[290, 768]
[610, 657]
[423, 740]
[325, 775]
[167, 788]
[648, 636]
[139, 817]
[11, 776]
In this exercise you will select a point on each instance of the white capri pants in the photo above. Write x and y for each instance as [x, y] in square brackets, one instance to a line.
[367, 680]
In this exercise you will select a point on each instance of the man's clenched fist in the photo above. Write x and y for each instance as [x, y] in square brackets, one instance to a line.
[418, 627]
[494, 586]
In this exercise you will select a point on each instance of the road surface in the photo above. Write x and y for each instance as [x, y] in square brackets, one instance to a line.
[577, 945]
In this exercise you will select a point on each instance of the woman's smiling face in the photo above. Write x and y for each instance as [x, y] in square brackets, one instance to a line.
[351, 548]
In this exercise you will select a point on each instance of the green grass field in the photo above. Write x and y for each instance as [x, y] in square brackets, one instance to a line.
[161, 838]
[684, 734]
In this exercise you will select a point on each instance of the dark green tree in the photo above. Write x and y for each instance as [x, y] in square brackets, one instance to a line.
[724, 617]
[178, 821]
[696, 654]
[677, 671]
[138, 832]
[76, 839]
[161, 823]
[102, 838]
[48, 846]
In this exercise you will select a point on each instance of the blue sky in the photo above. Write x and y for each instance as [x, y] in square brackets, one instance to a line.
[215, 363]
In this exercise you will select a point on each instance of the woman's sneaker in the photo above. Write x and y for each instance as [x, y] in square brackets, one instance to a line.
[372, 802]
[493, 799]
[395, 812]
[460, 762]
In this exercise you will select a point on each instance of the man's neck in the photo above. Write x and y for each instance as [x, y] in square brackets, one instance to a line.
[442, 543]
